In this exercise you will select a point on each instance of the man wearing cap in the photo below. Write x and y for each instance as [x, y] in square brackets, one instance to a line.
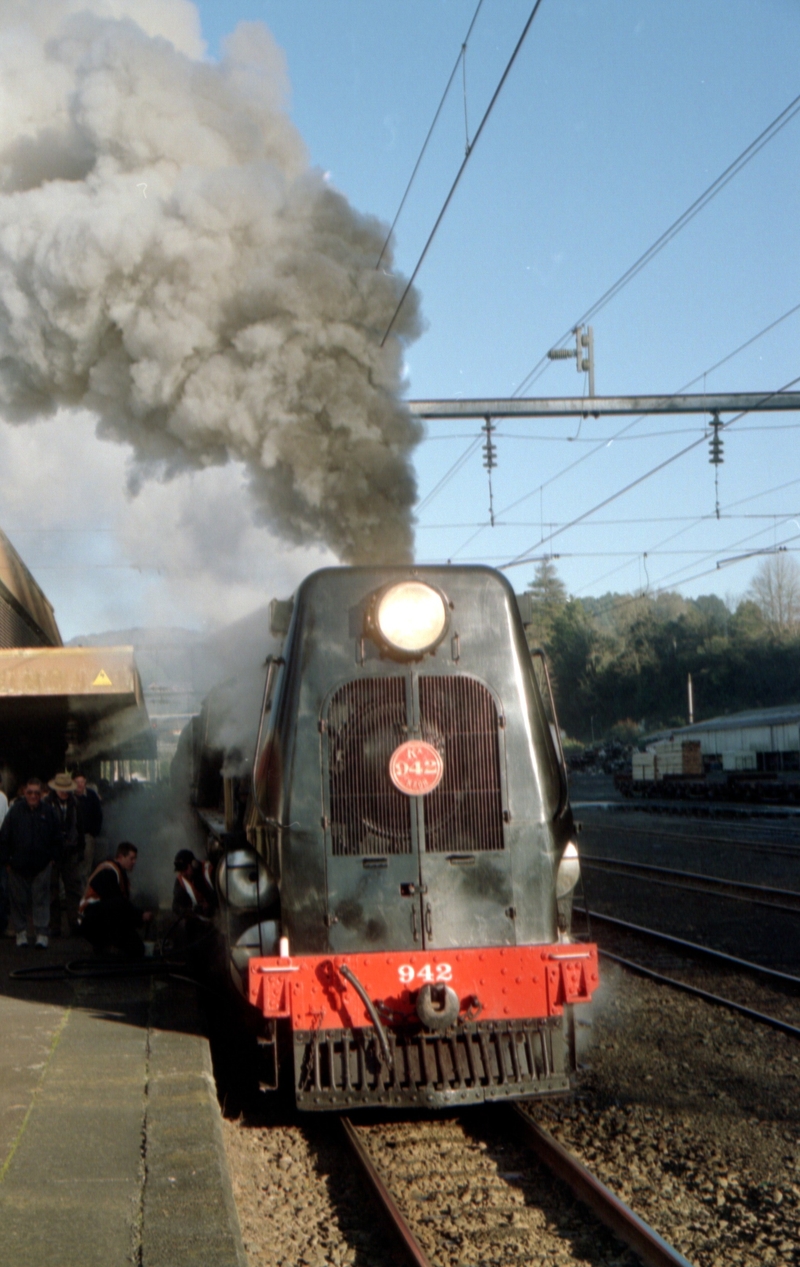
[30, 840]
[69, 866]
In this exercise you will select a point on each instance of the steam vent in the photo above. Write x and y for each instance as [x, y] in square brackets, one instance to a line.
[60, 706]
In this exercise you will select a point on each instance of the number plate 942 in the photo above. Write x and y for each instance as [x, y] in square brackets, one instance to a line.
[428, 972]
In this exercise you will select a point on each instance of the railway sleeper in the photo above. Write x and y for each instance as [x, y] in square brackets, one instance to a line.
[345, 1068]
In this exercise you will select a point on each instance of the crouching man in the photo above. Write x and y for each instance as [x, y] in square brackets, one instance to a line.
[107, 916]
[193, 893]
[194, 901]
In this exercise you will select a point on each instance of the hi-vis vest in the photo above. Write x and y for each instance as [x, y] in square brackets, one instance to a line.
[198, 899]
[91, 895]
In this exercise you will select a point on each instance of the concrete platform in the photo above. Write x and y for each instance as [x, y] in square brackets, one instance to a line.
[111, 1146]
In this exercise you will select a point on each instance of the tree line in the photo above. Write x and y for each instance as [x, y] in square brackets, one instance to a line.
[620, 662]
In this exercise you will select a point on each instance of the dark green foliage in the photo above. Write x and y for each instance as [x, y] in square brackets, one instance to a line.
[621, 661]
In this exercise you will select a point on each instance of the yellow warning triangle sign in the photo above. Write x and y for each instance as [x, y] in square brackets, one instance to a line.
[102, 679]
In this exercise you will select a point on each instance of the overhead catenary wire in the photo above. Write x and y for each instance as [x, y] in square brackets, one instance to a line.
[619, 604]
[743, 501]
[640, 479]
[636, 520]
[462, 168]
[617, 439]
[606, 441]
[780, 548]
[604, 444]
[739, 163]
[628, 600]
[460, 59]
[653, 589]
[453, 470]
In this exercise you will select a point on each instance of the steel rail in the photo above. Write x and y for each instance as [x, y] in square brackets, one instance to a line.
[756, 813]
[606, 406]
[653, 1250]
[639, 968]
[694, 882]
[695, 948]
[744, 813]
[410, 1246]
[787, 850]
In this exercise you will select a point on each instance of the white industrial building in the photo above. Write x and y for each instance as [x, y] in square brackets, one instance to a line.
[764, 739]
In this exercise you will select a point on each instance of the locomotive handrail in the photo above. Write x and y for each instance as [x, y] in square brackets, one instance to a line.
[271, 664]
[537, 653]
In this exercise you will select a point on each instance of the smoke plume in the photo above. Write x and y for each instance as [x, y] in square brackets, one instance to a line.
[170, 261]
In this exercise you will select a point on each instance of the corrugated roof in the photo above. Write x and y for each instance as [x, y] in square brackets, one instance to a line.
[783, 715]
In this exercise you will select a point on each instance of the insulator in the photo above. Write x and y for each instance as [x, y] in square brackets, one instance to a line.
[715, 445]
[561, 354]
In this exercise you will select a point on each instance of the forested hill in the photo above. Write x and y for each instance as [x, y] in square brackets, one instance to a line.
[621, 661]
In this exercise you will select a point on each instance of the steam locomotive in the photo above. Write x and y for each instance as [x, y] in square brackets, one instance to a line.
[396, 868]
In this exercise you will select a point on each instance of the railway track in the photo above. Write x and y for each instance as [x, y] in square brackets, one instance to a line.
[784, 984]
[652, 1249]
[787, 900]
[696, 949]
[720, 811]
[718, 1000]
[782, 850]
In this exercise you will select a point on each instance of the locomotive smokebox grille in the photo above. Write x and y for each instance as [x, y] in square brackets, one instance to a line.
[409, 618]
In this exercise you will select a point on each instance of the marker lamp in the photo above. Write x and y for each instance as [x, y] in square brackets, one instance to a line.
[411, 617]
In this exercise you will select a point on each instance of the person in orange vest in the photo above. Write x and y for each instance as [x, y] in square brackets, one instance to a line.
[106, 915]
[193, 893]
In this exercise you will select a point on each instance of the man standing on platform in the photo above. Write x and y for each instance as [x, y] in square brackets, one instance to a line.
[30, 841]
[3, 873]
[68, 868]
[90, 820]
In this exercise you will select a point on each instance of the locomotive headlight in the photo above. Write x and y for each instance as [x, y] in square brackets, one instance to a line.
[411, 617]
[569, 871]
[567, 877]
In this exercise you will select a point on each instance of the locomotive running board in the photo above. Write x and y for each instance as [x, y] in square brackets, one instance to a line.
[473, 1062]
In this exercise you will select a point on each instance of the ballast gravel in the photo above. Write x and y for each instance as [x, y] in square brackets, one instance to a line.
[298, 1205]
[689, 1113]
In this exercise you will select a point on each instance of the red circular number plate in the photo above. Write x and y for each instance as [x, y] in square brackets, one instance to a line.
[416, 768]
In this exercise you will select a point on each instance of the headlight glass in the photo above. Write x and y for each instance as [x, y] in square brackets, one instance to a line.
[569, 871]
[411, 616]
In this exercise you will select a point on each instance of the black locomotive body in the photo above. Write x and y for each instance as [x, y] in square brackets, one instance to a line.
[409, 862]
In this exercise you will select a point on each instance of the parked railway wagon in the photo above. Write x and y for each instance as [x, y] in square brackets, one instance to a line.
[396, 877]
[748, 756]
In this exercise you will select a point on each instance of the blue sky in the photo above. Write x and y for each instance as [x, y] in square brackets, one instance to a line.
[616, 115]
[614, 118]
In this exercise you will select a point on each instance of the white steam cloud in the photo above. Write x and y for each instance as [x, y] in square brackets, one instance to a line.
[170, 261]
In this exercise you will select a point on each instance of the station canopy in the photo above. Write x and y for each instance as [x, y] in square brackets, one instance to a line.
[85, 702]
